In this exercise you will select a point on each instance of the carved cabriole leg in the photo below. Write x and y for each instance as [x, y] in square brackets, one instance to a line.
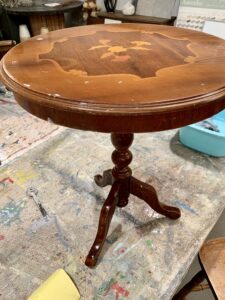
[106, 215]
[147, 193]
[119, 178]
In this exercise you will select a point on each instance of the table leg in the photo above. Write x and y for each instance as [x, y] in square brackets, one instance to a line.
[106, 215]
[147, 193]
[123, 184]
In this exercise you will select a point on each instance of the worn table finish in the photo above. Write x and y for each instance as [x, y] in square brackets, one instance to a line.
[41, 15]
[120, 79]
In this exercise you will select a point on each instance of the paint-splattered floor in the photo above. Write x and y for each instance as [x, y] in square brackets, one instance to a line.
[145, 256]
[20, 131]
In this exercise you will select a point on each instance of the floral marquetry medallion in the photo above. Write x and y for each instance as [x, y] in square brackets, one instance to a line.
[119, 66]
[120, 53]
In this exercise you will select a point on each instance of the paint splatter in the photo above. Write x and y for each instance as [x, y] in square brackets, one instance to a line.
[38, 224]
[185, 206]
[122, 250]
[47, 221]
[119, 291]
[149, 243]
[7, 179]
[24, 176]
[104, 288]
[4, 181]
[78, 211]
[112, 288]
[118, 247]
[142, 298]
[10, 213]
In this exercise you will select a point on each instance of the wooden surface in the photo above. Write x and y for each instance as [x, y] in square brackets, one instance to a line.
[118, 15]
[212, 256]
[119, 78]
[39, 8]
[52, 22]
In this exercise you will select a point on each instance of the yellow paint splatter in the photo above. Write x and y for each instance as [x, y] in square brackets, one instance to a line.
[20, 177]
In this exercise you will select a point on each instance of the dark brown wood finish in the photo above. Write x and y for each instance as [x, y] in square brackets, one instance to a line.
[120, 79]
[5, 46]
[123, 184]
[118, 15]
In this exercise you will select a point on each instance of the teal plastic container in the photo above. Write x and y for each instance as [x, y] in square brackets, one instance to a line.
[205, 140]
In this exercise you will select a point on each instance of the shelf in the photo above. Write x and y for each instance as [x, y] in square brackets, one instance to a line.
[118, 15]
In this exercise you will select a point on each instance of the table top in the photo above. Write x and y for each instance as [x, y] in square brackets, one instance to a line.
[39, 7]
[120, 77]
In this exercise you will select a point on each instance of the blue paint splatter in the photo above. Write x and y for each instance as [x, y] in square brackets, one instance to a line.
[78, 211]
[142, 298]
[10, 213]
[104, 289]
[185, 206]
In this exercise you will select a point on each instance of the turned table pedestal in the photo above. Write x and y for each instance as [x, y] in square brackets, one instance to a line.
[119, 79]
[123, 184]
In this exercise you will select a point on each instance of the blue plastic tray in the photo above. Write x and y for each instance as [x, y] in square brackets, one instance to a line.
[205, 140]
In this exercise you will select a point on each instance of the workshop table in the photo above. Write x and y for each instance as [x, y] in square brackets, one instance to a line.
[120, 79]
[41, 15]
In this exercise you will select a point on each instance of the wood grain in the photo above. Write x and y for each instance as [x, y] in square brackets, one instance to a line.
[119, 78]
[52, 22]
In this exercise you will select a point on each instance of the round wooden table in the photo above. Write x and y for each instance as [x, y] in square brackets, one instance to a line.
[121, 79]
[41, 15]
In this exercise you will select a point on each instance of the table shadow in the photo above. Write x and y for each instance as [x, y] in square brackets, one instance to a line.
[143, 229]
